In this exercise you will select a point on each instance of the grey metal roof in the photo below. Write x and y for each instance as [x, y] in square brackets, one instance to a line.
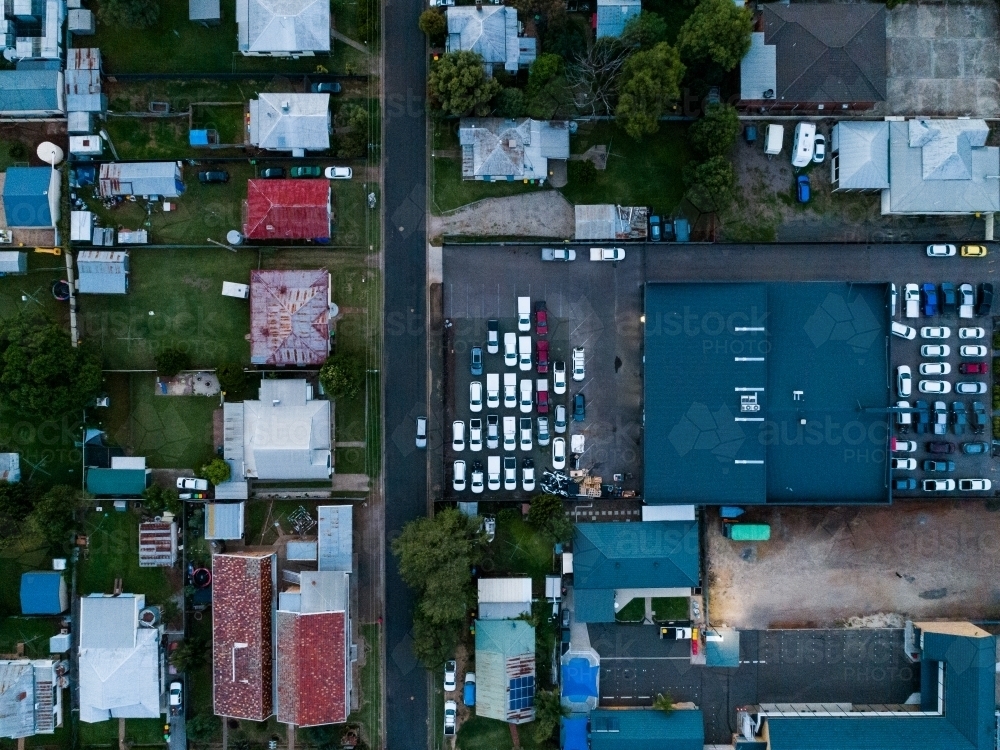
[13, 261]
[204, 10]
[324, 591]
[612, 15]
[283, 122]
[161, 178]
[17, 699]
[336, 537]
[283, 25]
[489, 30]
[224, 520]
[30, 91]
[759, 69]
[497, 148]
[109, 621]
[862, 155]
[10, 466]
[102, 271]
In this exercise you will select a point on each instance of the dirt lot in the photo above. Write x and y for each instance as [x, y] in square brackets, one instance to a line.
[545, 214]
[824, 566]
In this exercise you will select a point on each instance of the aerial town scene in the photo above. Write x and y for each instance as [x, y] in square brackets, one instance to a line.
[499, 375]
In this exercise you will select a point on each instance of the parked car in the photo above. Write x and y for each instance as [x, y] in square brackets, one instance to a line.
[476, 360]
[940, 418]
[802, 188]
[450, 714]
[191, 483]
[971, 333]
[542, 354]
[939, 485]
[902, 446]
[905, 484]
[492, 336]
[542, 398]
[492, 431]
[475, 435]
[966, 300]
[973, 368]
[458, 477]
[559, 453]
[559, 377]
[579, 368]
[509, 390]
[526, 400]
[929, 295]
[970, 388]
[973, 251]
[975, 448]
[176, 698]
[213, 177]
[458, 435]
[558, 253]
[940, 251]
[475, 396]
[938, 466]
[541, 319]
[272, 173]
[469, 692]
[934, 368]
[559, 423]
[903, 464]
[421, 432]
[934, 386]
[510, 348]
[607, 253]
[980, 419]
[975, 485]
[306, 172]
[819, 149]
[940, 446]
[973, 350]
[450, 675]
[543, 431]
[528, 475]
[525, 429]
[509, 473]
[959, 417]
[476, 478]
[903, 331]
[904, 381]
[935, 332]
[911, 299]
[338, 173]
[655, 234]
[949, 299]
[984, 299]
[579, 408]
[893, 299]
[935, 350]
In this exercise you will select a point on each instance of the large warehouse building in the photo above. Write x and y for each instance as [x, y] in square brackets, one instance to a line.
[761, 393]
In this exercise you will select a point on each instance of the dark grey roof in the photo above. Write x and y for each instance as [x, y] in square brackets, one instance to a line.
[828, 52]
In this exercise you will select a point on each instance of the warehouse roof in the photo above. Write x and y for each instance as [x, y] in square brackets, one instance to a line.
[26, 196]
[646, 729]
[30, 91]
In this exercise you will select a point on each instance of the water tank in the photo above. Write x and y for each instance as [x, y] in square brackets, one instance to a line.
[50, 153]
[149, 617]
[234, 238]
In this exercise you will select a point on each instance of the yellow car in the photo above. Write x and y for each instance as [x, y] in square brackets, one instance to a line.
[973, 251]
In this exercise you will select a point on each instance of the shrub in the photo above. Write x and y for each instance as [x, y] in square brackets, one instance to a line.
[171, 361]
[215, 471]
[342, 376]
[232, 378]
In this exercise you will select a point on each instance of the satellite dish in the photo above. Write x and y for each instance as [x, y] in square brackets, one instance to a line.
[50, 153]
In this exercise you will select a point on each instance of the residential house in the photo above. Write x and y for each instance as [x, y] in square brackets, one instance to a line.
[336, 538]
[205, 12]
[162, 179]
[284, 435]
[646, 728]
[614, 563]
[504, 598]
[31, 197]
[102, 271]
[157, 544]
[32, 29]
[32, 93]
[13, 263]
[121, 664]
[244, 586]
[289, 317]
[497, 149]
[859, 156]
[31, 697]
[83, 81]
[287, 210]
[43, 592]
[290, 122]
[283, 28]
[125, 478]
[613, 15]
[224, 520]
[492, 32]
[816, 56]
[505, 670]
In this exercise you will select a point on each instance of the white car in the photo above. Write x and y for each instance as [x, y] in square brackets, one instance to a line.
[904, 464]
[492, 396]
[935, 332]
[475, 434]
[476, 479]
[475, 396]
[421, 432]
[975, 485]
[190, 483]
[935, 386]
[526, 401]
[970, 388]
[509, 473]
[939, 485]
[893, 299]
[450, 676]
[904, 381]
[819, 150]
[528, 475]
[940, 251]
[450, 717]
[966, 300]
[558, 253]
[492, 336]
[972, 350]
[903, 331]
[559, 377]
[904, 446]
[176, 691]
[493, 473]
[934, 368]
[525, 429]
[971, 333]
[559, 453]
[559, 423]
[510, 348]
[911, 298]
[607, 253]
[492, 431]
[339, 173]
[458, 480]
[904, 417]
[935, 350]
[579, 367]
[458, 435]
[509, 391]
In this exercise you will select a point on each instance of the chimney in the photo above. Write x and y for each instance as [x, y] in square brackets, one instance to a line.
[285, 106]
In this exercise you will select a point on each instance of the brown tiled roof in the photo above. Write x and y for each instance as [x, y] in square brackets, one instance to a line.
[312, 668]
[242, 603]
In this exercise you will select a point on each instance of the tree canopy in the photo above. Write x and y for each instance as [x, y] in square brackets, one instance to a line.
[342, 375]
[548, 712]
[215, 471]
[717, 31]
[54, 516]
[509, 103]
[716, 132]
[711, 184]
[132, 14]
[352, 144]
[157, 499]
[171, 361]
[547, 513]
[41, 373]
[434, 25]
[649, 80]
[459, 85]
[645, 30]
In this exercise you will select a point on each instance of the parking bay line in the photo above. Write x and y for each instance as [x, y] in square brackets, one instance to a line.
[643, 658]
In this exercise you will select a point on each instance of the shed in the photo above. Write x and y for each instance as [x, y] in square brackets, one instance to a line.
[614, 15]
[32, 93]
[13, 263]
[336, 537]
[81, 22]
[86, 145]
[504, 598]
[117, 482]
[205, 12]
[79, 123]
[160, 178]
[232, 289]
[157, 544]
[102, 271]
[224, 520]
[43, 592]
[28, 194]
[81, 226]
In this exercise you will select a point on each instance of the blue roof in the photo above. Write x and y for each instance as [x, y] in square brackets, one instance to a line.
[29, 90]
[594, 605]
[579, 680]
[866, 733]
[650, 554]
[26, 196]
[611, 19]
[573, 733]
[646, 729]
[43, 593]
[724, 653]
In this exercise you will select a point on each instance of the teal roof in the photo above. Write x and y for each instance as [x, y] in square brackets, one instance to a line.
[650, 554]
[116, 482]
[506, 637]
[866, 733]
[969, 679]
[594, 605]
[646, 729]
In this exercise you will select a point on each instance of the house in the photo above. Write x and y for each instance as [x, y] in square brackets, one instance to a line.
[605, 221]
[613, 15]
[30, 697]
[83, 81]
[157, 544]
[32, 29]
[205, 12]
[32, 93]
[816, 56]
[956, 709]
[313, 658]
[646, 729]
[290, 122]
[490, 31]
[117, 482]
[80, 22]
[102, 271]
[224, 520]
[284, 435]
[31, 197]
[13, 263]
[120, 660]
[498, 149]
[43, 592]
[10, 467]
[505, 670]
[155, 178]
[859, 156]
[504, 598]
[336, 538]
[615, 562]
[287, 210]
[283, 28]
[289, 317]
[243, 603]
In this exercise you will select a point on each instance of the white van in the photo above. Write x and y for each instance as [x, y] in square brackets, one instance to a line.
[775, 137]
[509, 390]
[493, 472]
[524, 353]
[527, 397]
[803, 145]
[493, 390]
[509, 433]
[524, 313]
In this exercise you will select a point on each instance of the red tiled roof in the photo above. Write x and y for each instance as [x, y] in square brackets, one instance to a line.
[242, 601]
[312, 668]
[287, 210]
[289, 317]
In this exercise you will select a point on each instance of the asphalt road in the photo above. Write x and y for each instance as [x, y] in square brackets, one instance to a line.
[405, 365]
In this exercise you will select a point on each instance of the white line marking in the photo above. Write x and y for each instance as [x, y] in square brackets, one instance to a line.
[757, 390]
[748, 359]
[746, 461]
[748, 419]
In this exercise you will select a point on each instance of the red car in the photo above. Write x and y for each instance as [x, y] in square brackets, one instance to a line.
[542, 357]
[541, 319]
[973, 368]
[542, 402]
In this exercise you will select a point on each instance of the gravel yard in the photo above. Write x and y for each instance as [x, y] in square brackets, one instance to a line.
[543, 214]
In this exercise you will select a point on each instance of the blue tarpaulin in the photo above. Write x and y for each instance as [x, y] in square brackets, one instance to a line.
[198, 138]
[574, 733]
[579, 680]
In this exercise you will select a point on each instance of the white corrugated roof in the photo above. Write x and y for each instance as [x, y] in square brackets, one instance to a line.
[504, 590]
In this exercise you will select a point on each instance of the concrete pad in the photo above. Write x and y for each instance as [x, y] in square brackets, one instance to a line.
[901, 93]
[946, 58]
[932, 96]
[962, 98]
[988, 98]
[901, 21]
[982, 58]
[908, 60]
[931, 21]
[962, 20]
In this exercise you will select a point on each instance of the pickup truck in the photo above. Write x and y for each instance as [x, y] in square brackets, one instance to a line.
[607, 253]
[675, 634]
[450, 713]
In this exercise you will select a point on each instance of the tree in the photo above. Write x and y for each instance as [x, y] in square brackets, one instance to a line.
[509, 103]
[582, 172]
[548, 712]
[54, 516]
[202, 727]
[664, 703]
[171, 361]
[433, 24]
[232, 378]
[16, 502]
[42, 374]
[369, 20]
[711, 183]
[594, 75]
[564, 37]
[716, 132]
[215, 471]
[191, 654]
[459, 85]
[548, 516]
[342, 376]
[645, 30]
[354, 143]
[650, 79]
[157, 499]
[132, 14]
[718, 31]
[545, 67]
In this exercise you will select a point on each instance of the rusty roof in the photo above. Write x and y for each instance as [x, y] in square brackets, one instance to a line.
[157, 544]
[289, 317]
[312, 664]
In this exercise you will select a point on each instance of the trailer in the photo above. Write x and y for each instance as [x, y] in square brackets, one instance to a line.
[747, 532]
[775, 137]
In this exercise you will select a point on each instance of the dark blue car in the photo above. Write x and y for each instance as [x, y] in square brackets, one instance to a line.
[905, 484]
[929, 297]
[802, 188]
[579, 408]
[476, 364]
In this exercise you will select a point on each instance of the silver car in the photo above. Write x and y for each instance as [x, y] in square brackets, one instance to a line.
[559, 423]
[579, 367]
[421, 432]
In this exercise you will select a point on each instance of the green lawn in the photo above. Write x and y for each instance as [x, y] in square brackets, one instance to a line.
[518, 550]
[670, 608]
[257, 517]
[13, 160]
[478, 733]
[33, 632]
[137, 732]
[634, 611]
[369, 713]
[113, 552]
[451, 191]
